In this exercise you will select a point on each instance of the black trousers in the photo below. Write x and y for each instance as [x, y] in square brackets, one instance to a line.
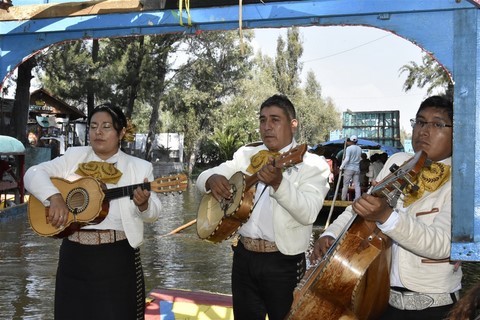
[99, 282]
[263, 283]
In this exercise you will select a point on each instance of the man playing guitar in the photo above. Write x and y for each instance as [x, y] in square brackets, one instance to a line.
[269, 258]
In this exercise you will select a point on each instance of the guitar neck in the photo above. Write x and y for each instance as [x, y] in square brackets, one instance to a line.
[126, 191]
[250, 181]
[285, 160]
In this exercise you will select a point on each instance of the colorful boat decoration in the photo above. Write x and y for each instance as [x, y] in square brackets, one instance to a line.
[174, 304]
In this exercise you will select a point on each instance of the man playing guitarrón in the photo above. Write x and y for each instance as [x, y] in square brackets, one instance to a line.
[424, 283]
[269, 258]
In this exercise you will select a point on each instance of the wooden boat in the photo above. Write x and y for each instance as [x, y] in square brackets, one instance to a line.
[184, 304]
[10, 212]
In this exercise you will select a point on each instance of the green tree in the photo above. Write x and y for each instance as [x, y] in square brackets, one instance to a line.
[430, 73]
[125, 71]
[287, 63]
[227, 142]
[154, 70]
[237, 118]
[318, 116]
[124, 58]
[71, 71]
[213, 68]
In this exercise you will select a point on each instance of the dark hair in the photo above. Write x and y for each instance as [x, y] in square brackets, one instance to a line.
[119, 120]
[439, 102]
[281, 101]
[468, 307]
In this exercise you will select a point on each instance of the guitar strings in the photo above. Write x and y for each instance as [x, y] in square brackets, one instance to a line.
[263, 191]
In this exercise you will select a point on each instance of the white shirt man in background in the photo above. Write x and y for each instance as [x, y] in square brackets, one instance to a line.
[351, 167]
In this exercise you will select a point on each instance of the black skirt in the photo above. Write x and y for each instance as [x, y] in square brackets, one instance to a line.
[99, 282]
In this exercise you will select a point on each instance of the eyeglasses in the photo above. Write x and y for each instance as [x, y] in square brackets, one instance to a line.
[103, 127]
[435, 125]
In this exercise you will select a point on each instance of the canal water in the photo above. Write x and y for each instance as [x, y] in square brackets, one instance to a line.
[28, 262]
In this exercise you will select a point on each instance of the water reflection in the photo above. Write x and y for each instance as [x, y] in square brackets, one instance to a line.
[27, 271]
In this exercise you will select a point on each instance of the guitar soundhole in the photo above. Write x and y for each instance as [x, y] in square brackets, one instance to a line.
[77, 200]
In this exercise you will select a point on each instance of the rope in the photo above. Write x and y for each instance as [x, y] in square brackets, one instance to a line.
[187, 9]
[240, 25]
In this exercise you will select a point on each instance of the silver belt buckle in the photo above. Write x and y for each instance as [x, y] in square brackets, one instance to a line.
[396, 300]
[416, 301]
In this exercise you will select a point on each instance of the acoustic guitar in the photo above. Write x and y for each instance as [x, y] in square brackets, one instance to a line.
[87, 202]
[351, 281]
[218, 221]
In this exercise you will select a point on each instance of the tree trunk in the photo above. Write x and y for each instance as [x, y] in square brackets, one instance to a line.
[22, 100]
[155, 97]
[91, 81]
[148, 145]
[132, 96]
[152, 129]
[192, 159]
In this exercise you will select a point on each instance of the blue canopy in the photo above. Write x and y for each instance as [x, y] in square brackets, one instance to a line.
[10, 146]
[362, 143]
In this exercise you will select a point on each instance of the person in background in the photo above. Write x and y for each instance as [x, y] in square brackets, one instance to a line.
[383, 157]
[424, 283]
[351, 167]
[269, 258]
[99, 273]
[364, 167]
[376, 165]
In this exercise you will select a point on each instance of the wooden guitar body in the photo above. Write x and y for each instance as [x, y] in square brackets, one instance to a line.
[88, 199]
[84, 199]
[218, 221]
[352, 279]
[337, 289]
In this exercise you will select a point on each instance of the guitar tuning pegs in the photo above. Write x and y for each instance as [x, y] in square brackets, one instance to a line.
[414, 187]
[391, 198]
[394, 167]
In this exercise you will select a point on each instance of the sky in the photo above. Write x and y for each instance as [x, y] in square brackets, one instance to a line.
[358, 67]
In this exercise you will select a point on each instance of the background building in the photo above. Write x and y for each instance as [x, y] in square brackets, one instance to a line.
[382, 127]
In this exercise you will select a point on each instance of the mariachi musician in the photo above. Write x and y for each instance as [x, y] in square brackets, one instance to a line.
[424, 283]
[269, 258]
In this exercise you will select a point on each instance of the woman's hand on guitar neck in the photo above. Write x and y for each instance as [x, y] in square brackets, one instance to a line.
[372, 208]
[321, 247]
[140, 197]
[57, 211]
[219, 186]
